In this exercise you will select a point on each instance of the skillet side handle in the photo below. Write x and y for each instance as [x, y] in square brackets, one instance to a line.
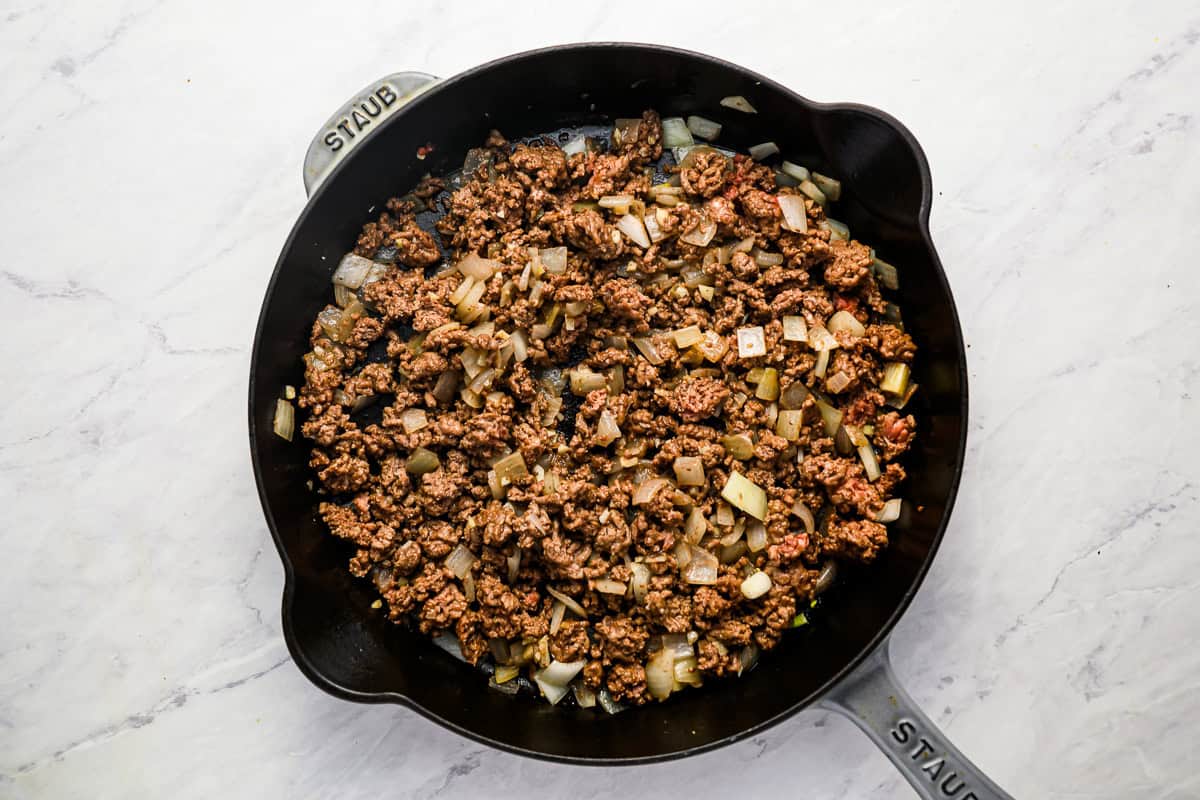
[873, 699]
[357, 119]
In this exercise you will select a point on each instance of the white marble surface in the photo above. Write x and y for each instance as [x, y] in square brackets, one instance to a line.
[149, 172]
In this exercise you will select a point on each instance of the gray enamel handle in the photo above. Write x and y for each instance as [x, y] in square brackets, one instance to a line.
[873, 699]
[357, 119]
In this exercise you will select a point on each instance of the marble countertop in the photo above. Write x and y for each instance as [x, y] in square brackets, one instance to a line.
[149, 172]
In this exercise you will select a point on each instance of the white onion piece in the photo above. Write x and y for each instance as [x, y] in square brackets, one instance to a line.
[284, 423]
[686, 337]
[551, 691]
[794, 329]
[607, 431]
[794, 170]
[505, 673]
[764, 259]
[554, 259]
[352, 270]
[687, 671]
[615, 200]
[413, 420]
[837, 230]
[806, 516]
[514, 565]
[520, 346]
[609, 586]
[743, 493]
[701, 568]
[837, 382]
[676, 133]
[647, 348]
[747, 658]
[640, 580]
[822, 363]
[821, 339]
[689, 471]
[738, 103]
[751, 342]
[567, 601]
[845, 321]
[886, 274]
[478, 267]
[795, 217]
[866, 454]
[788, 423]
[831, 417]
[813, 193]
[584, 696]
[765, 150]
[633, 227]
[831, 187]
[704, 128]
[461, 290]
[460, 561]
[695, 527]
[556, 616]
[702, 234]
[890, 511]
[605, 700]
[660, 674]
[756, 585]
[647, 489]
[678, 645]
[756, 536]
[654, 230]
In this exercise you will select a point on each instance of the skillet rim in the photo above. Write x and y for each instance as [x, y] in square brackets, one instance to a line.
[881, 635]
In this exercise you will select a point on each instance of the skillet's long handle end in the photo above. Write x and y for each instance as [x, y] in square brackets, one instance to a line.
[873, 699]
[357, 119]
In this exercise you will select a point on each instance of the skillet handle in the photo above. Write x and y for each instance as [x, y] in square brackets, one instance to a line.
[357, 119]
[874, 701]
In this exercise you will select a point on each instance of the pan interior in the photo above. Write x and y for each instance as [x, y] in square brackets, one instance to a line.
[348, 649]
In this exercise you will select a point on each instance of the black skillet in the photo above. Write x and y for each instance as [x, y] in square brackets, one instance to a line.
[368, 152]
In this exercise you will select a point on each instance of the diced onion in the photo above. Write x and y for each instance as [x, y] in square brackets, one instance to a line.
[647, 489]
[751, 342]
[583, 380]
[886, 274]
[813, 193]
[647, 348]
[706, 292]
[747, 658]
[505, 673]
[584, 696]
[342, 296]
[794, 329]
[687, 671]
[822, 363]
[567, 601]
[756, 536]
[284, 423]
[837, 382]
[890, 511]
[794, 170]
[819, 338]
[576, 145]
[352, 271]
[895, 378]
[765, 150]
[633, 227]
[422, 461]
[675, 133]
[639, 580]
[615, 200]
[794, 395]
[461, 290]
[609, 586]
[413, 420]
[837, 230]
[607, 431]
[695, 527]
[443, 390]
[788, 423]
[845, 321]
[616, 379]
[653, 229]
[714, 347]
[866, 454]
[511, 468]
[701, 234]
[768, 387]
[756, 585]
[826, 578]
[460, 561]
[743, 493]
[554, 678]
[610, 706]
[557, 611]
[831, 417]
[701, 569]
[513, 563]
[764, 259]
[724, 514]
[520, 346]
[660, 674]
[738, 103]
[704, 128]
[738, 445]
[554, 259]
[477, 267]
[686, 337]
[689, 471]
[831, 187]
[795, 216]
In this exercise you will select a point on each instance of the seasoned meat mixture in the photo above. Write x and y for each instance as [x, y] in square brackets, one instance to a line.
[606, 418]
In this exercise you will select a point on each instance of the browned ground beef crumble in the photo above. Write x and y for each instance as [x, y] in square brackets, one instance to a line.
[412, 489]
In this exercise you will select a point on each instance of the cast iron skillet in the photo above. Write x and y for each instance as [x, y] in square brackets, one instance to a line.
[367, 153]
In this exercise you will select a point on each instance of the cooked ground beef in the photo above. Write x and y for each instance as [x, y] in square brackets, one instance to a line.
[632, 427]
